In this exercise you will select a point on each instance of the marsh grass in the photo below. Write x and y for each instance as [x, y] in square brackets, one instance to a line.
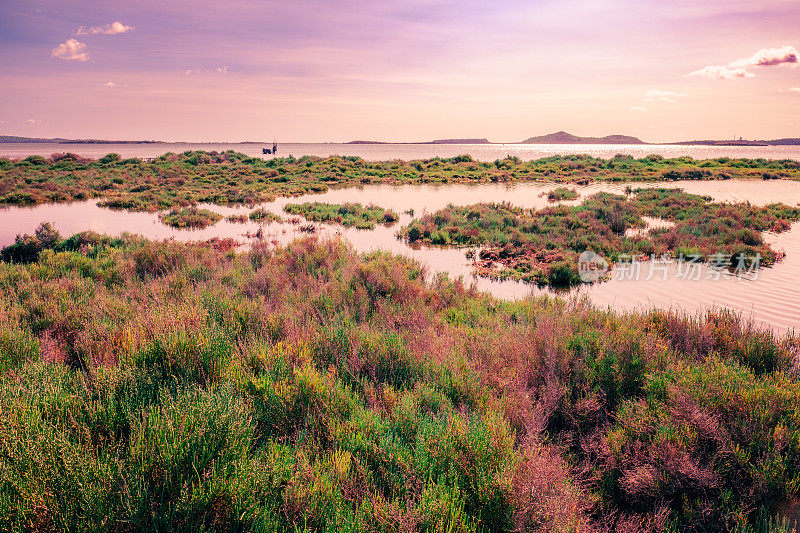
[191, 218]
[193, 177]
[163, 386]
[561, 193]
[542, 246]
[263, 216]
[348, 214]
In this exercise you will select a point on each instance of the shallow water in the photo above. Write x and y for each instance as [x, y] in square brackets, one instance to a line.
[772, 298]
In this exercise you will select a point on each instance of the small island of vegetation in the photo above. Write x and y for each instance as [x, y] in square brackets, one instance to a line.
[191, 218]
[261, 215]
[562, 193]
[347, 214]
[542, 246]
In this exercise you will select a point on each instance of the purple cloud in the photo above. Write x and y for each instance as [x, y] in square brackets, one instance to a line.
[766, 57]
[769, 57]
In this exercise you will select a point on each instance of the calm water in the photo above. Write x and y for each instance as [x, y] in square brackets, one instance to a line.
[772, 298]
[383, 152]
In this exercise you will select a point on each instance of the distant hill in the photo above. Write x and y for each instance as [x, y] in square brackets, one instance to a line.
[563, 137]
[59, 140]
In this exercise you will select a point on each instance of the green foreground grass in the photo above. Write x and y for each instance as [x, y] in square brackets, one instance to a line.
[162, 386]
[180, 180]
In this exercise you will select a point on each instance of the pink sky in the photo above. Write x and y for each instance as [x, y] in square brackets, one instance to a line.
[311, 71]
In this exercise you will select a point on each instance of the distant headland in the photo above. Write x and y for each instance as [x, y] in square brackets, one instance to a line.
[60, 140]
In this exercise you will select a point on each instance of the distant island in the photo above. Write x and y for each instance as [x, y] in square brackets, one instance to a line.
[562, 137]
[59, 140]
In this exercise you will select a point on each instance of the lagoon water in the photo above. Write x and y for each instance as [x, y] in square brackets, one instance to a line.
[385, 152]
[771, 298]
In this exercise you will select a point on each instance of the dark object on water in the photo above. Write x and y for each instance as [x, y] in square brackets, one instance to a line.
[274, 149]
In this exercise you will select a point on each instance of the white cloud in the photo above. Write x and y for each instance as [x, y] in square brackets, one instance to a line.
[668, 97]
[71, 50]
[769, 57]
[639, 108]
[33, 122]
[766, 57]
[107, 29]
[721, 72]
[791, 90]
[109, 84]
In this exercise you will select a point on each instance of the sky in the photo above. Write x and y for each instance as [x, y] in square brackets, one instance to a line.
[333, 71]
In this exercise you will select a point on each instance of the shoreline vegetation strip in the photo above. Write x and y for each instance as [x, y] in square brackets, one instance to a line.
[194, 177]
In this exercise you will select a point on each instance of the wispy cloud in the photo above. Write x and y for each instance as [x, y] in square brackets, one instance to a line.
[109, 84]
[721, 72]
[667, 97]
[33, 122]
[107, 29]
[218, 70]
[766, 57]
[639, 108]
[71, 50]
[791, 90]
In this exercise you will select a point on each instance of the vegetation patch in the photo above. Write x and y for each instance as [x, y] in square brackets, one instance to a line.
[191, 218]
[237, 218]
[348, 215]
[192, 177]
[166, 386]
[542, 246]
[263, 216]
[562, 193]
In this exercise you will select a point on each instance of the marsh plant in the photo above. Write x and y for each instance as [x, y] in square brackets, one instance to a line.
[347, 214]
[163, 386]
[543, 246]
[193, 177]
